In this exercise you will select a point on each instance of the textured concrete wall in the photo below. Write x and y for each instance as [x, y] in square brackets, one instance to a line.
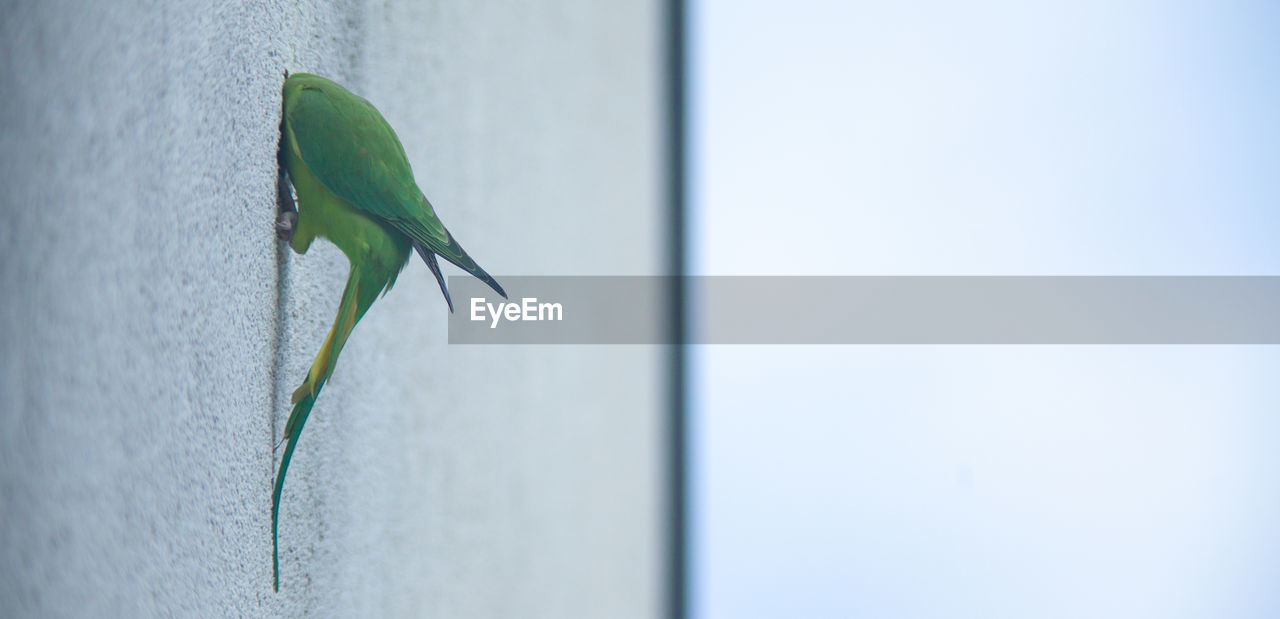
[151, 328]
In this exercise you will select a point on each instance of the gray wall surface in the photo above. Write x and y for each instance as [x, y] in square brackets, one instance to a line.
[152, 328]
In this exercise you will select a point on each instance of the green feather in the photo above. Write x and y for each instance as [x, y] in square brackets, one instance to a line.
[356, 189]
[297, 418]
[365, 165]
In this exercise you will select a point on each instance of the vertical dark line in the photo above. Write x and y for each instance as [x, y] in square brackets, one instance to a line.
[677, 567]
[278, 344]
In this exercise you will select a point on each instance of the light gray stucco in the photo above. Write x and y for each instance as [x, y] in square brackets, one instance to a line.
[152, 328]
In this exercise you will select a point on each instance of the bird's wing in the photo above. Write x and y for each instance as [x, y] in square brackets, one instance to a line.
[350, 147]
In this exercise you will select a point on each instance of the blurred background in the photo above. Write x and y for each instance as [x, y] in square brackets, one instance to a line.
[984, 138]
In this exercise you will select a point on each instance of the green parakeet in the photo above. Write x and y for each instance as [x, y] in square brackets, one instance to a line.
[355, 188]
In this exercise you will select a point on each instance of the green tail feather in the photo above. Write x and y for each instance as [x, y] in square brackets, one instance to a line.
[296, 420]
[363, 286]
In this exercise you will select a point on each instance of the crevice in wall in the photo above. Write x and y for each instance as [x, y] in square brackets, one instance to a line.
[278, 362]
[327, 40]
[329, 43]
[290, 54]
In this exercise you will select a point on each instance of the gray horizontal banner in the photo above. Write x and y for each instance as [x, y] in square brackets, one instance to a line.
[871, 310]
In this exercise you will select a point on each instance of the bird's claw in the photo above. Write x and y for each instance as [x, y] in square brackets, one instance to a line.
[288, 209]
[285, 223]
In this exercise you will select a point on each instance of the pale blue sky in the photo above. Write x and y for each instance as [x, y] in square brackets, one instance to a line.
[990, 138]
